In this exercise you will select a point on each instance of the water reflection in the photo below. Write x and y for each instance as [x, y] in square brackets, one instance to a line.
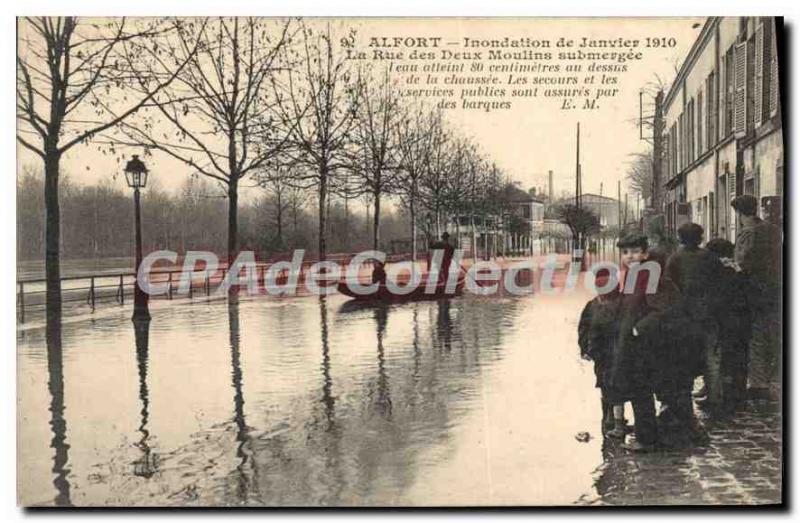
[58, 423]
[345, 405]
[327, 383]
[384, 399]
[243, 475]
[146, 465]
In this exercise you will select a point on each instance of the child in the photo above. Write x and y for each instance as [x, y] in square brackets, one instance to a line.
[639, 323]
[597, 334]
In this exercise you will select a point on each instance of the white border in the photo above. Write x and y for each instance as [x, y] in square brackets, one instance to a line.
[332, 8]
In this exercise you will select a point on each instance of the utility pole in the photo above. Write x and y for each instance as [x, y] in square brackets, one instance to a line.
[638, 210]
[578, 168]
[619, 204]
[550, 186]
[578, 248]
[626, 208]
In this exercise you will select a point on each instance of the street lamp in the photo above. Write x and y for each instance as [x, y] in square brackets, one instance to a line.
[136, 176]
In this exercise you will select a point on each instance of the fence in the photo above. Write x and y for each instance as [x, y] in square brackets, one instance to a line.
[93, 289]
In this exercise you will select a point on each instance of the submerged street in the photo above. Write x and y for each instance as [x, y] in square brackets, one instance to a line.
[317, 401]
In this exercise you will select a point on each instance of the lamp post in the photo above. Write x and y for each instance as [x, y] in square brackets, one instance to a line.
[136, 176]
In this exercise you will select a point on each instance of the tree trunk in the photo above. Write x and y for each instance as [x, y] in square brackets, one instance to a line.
[474, 238]
[376, 221]
[52, 237]
[233, 218]
[323, 196]
[279, 219]
[412, 209]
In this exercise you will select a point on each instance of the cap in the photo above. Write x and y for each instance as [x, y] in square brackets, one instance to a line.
[745, 204]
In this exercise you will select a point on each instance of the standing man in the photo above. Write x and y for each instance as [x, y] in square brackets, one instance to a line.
[758, 252]
[696, 272]
[448, 252]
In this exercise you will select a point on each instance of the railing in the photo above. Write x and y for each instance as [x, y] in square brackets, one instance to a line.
[93, 289]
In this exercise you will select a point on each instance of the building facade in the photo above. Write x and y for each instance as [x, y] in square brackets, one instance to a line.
[610, 211]
[722, 133]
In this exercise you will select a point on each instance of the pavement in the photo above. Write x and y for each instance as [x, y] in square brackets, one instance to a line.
[741, 465]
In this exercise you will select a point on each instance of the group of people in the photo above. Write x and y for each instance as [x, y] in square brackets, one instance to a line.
[715, 312]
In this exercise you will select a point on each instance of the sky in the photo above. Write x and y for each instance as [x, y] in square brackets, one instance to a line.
[528, 140]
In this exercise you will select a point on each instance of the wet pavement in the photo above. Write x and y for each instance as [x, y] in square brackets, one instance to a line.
[309, 401]
[741, 465]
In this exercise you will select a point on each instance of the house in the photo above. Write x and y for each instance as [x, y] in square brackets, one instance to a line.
[610, 211]
[722, 133]
[515, 228]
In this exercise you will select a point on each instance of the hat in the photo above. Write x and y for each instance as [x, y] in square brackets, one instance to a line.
[690, 234]
[720, 247]
[445, 235]
[745, 204]
[633, 239]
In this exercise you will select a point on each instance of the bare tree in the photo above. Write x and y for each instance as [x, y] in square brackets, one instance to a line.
[374, 159]
[640, 174]
[67, 70]
[318, 101]
[582, 222]
[218, 116]
[413, 140]
[283, 197]
[436, 182]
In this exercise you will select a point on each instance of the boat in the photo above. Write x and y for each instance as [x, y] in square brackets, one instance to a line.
[383, 293]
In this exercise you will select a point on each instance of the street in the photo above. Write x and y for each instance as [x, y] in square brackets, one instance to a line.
[305, 401]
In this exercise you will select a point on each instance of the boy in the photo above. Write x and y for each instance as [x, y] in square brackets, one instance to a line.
[640, 322]
[597, 335]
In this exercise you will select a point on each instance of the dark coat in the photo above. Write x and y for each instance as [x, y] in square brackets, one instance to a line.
[759, 253]
[598, 331]
[632, 369]
[731, 309]
[696, 272]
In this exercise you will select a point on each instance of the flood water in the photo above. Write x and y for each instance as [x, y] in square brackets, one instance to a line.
[310, 401]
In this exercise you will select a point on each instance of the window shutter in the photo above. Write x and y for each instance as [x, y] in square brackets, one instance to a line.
[700, 124]
[731, 195]
[731, 185]
[758, 96]
[739, 88]
[773, 73]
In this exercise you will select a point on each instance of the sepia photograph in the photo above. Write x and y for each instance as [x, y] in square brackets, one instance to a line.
[380, 262]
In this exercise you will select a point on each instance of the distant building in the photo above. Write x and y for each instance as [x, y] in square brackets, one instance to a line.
[516, 231]
[722, 133]
[607, 209]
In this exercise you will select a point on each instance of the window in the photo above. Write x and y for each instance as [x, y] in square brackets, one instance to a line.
[740, 88]
[750, 83]
[727, 92]
[711, 111]
[712, 216]
[700, 143]
[674, 148]
[690, 123]
[773, 70]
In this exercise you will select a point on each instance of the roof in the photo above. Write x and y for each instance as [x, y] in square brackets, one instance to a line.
[589, 198]
[516, 195]
[688, 62]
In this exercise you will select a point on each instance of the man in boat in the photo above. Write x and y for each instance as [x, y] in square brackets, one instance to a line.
[379, 273]
[447, 255]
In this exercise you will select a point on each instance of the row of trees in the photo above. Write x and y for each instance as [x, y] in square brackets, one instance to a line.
[191, 217]
[272, 102]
